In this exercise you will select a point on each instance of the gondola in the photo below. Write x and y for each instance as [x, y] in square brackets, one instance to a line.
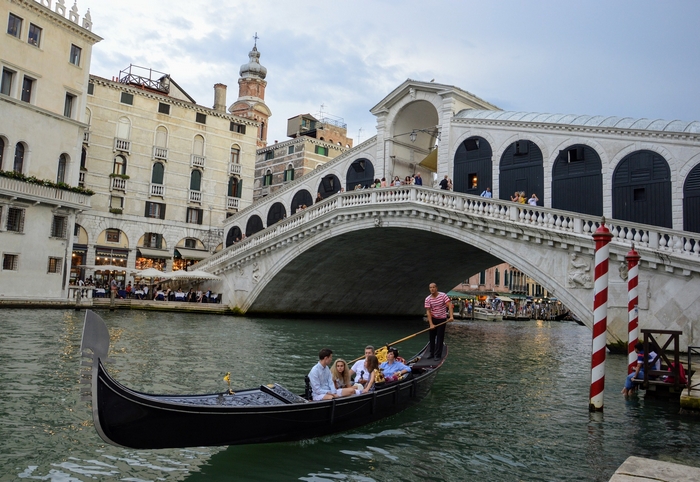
[268, 413]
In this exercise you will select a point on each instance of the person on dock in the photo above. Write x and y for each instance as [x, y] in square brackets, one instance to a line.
[358, 369]
[638, 371]
[392, 368]
[436, 306]
[321, 379]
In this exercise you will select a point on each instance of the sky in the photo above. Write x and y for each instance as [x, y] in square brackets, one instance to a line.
[636, 58]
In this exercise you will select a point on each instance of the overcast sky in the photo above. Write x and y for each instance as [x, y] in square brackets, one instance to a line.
[637, 58]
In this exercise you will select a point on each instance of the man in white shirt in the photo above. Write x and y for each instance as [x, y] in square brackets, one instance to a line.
[358, 369]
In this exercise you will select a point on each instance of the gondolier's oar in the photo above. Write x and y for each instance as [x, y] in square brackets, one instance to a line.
[401, 340]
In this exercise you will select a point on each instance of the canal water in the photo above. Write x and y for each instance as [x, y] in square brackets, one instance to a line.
[511, 402]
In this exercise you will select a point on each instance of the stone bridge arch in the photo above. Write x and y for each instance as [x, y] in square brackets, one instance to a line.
[411, 236]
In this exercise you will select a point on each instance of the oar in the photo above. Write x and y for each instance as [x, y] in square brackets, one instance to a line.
[401, 340]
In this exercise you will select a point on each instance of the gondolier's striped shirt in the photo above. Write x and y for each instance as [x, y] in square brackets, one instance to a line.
[438, 305]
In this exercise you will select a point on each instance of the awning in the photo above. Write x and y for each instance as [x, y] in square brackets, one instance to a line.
[504, 298]
[191, 253]
[430, 160]
[153, 253]
[515, 296]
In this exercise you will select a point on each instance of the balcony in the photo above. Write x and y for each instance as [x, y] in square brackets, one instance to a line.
[196, 197]
[235, 169]
[198, 161]
[81, 179]
[86, 138]
[265, 191]
[157, 190]
[122, 145]
[160, 153]
[233, 203]
[43, 194]
[118, 184]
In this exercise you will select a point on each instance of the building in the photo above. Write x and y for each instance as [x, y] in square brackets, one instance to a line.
[45, 63]
[251, 94]
[166, 172]
[314, 141]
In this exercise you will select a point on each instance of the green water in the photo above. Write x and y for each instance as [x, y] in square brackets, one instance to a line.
[511, 402]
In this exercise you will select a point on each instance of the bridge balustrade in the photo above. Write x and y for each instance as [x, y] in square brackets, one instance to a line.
[547, 219]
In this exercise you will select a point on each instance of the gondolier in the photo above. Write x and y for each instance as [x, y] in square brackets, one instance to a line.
[436, 306]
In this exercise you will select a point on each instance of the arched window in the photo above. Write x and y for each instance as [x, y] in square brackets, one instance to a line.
[289, 173]
[61, 175]
[198, 146]
[267, 180]
[235, 186]
[482, 278]
[88, 116]
[19, 157]
[235, 155]
[497, 278]
[2, 151]
[157, 173]
[123, 128]
[119, 165]
[506, 278]
[161, 137]
[196, 180]
[262, 130]
[83, 159]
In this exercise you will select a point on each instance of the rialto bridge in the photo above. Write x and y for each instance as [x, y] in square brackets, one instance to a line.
[373, 251]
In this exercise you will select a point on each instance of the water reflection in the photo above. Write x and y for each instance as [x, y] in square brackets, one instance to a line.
[511, 403]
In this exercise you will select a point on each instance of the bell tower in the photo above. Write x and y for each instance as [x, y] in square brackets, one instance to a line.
[251, 94]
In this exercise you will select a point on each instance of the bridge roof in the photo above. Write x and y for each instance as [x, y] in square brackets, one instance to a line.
[610, 122]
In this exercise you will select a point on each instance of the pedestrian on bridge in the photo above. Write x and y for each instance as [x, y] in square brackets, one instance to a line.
[487, 193]
[436, 306]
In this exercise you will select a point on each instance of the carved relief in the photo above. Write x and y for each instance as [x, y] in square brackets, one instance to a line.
[241, 270]
[256, 272]
[624, 270]
[579, 275]
[377, 222]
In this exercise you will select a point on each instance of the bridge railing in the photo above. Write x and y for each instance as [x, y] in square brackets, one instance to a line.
[624, 233]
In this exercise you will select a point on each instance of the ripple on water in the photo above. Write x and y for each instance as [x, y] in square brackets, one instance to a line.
[511, 402]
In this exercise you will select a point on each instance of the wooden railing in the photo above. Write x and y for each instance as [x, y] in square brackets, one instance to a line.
[692, 350]
[651, 344]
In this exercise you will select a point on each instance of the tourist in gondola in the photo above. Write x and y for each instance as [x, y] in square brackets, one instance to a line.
[392, 368]
[321, 379]
[358, 369]
[341, 375]
[372, 367]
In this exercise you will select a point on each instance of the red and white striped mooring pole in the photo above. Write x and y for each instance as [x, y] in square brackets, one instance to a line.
[632, 302]
[602, 239]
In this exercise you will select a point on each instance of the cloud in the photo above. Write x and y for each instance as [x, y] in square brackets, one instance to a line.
[627, 58]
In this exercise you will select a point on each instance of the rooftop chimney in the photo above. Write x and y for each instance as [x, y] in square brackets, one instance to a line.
[220, 98]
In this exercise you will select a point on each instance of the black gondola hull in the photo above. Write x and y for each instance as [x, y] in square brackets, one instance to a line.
[128, 418]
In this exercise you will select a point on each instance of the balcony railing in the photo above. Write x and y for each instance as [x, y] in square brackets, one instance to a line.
[86, 137]
[160, 153]
[265, 190]
[43, 194]
[118, 184]
[157, 190]
[81, 178]
[233, 203]
[122, 145]
[198, 161]
[195, 196]
[235, 169]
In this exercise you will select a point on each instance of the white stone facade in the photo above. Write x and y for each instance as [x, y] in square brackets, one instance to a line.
[187, 168]
[45, 61]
